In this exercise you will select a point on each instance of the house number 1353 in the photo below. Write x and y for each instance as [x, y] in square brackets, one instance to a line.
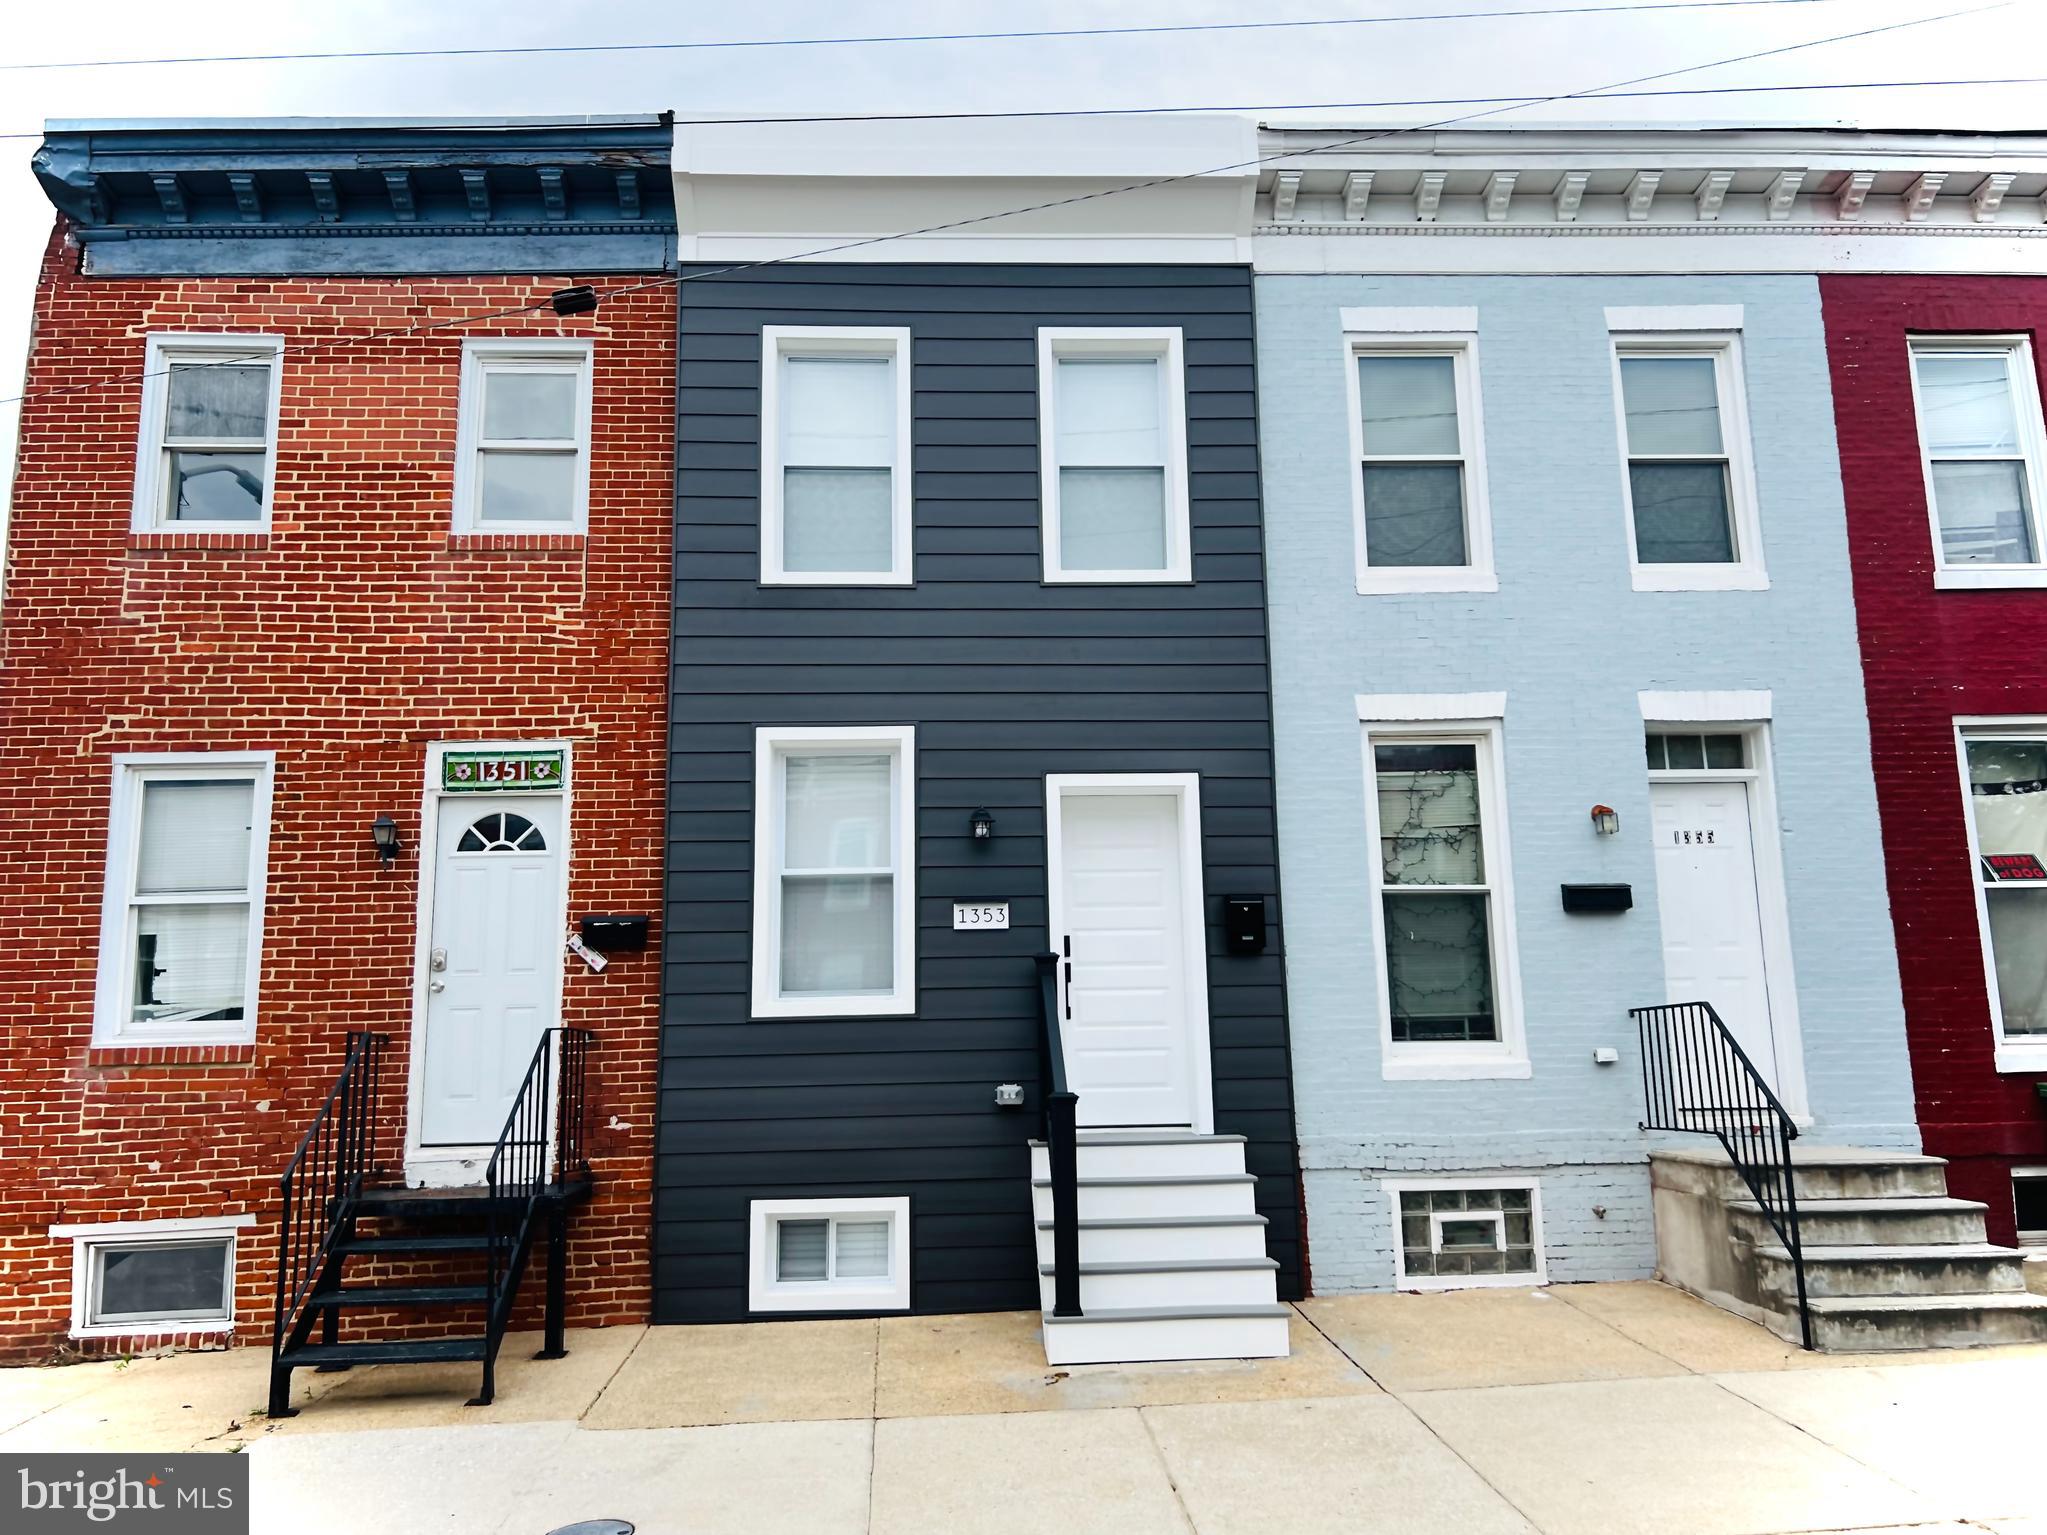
[991, 914]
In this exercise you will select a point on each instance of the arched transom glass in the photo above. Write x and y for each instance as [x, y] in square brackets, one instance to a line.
[502, 832]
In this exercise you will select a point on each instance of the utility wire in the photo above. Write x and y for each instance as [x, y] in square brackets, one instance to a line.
[903, 37]
[677, 279]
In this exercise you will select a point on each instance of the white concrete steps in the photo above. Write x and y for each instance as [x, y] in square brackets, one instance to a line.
[1172, 1252]
[1891, 1261]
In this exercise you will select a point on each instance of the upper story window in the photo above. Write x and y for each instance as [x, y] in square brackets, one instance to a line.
[209, 433]
[1112, 428]
[1419, 495]
[834, 872]
[522, 455]
[2007, 793]
[181, 935]
[835, 457]
[1690, 485]
[1981, 439]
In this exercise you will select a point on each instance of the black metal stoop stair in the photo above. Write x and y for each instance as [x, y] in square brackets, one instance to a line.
[369, 1266]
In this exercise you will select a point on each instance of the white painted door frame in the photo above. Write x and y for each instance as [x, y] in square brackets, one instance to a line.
[462, 1166]
[1772, 908]
[1186, 789]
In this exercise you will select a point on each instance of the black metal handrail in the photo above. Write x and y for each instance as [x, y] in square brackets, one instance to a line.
[1062, 1142]
[1697, 1078]
[536, 1152]
[322, 1182]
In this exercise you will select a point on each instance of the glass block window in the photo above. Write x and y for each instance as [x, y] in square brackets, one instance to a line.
[1414, 435]
[1459, 1234]
[1435, 890]
[1980, 435]
[2008, 809]
[210, 432]
[1680, 750]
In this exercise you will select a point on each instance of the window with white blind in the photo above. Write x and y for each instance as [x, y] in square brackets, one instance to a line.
[1442, 900]
[1420, 489]
[1984, 449]
[182, 928]
[834, 872]
[209, 433]
[835, 456]
[522, 459]
[1112, 430]
[1689, 484]
[2005, 778]
[830, 1255]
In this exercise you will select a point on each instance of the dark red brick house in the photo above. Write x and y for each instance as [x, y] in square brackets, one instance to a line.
[1937, 397]
[332, 676]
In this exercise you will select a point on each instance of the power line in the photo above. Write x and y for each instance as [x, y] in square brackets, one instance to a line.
[677, 279]
[903, 37]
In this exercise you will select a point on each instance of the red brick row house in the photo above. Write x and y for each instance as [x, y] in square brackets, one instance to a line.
[335, 660]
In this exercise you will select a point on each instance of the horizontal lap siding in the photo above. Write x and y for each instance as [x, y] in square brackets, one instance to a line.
[1005, 680]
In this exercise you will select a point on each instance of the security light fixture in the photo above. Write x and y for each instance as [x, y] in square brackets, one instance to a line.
[983, 824]
[1606, 821]
[384, 833]
[581, 299]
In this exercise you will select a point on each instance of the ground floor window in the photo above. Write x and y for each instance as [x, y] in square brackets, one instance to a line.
[131, 1277]
[1458, 1233]
[2007, 783]
[830, 1255]
[2029, 1204]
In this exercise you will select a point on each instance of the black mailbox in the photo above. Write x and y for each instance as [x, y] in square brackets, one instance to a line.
[1595, 898]
[615, 935]
[1244, 924]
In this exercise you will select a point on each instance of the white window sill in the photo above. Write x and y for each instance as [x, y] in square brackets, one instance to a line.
[1473, 1282]
[1699, 578]
[133, 1039]
[834, 1007]
[1118, 578]
[1989, 578]
[1395, 1067]
[836, 578]
[148, 1329]
[196, 526]
[1381, 581]
[2028, 1058]
[518, 530]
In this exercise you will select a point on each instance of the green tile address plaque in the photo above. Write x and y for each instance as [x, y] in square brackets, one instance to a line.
[496, 772]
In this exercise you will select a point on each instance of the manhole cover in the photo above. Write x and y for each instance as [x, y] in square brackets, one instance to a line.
[595, 1527]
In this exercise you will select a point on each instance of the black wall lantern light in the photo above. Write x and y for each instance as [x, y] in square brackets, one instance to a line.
[384, 834]
[983, 824]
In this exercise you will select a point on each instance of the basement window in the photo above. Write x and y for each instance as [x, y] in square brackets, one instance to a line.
[135, 1277]
[1450, 1235]
[830, 1255]
[2006, 780]
[2029, 1204]
[209, 433]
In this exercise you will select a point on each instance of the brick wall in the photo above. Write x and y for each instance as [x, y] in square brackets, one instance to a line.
[1929, 656]
[348, 638]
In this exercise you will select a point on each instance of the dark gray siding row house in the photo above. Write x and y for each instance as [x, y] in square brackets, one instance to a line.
[901, 692]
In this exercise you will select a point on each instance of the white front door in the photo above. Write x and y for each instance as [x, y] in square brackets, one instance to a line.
[1127, 919]
[1707, 897]
[494, 964]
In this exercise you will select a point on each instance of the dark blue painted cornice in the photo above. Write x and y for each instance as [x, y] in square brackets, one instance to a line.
[301, 195]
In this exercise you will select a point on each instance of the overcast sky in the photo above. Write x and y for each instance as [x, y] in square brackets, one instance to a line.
[1496, 55]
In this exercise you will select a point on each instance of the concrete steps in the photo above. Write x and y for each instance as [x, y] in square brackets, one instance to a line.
[1172, 1252]
[1891, 1261]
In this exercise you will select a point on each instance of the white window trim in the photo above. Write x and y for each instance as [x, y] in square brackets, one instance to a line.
[1460, 345]
[772, 742]
[1395, 1187]
[163, 348]
[2028, 1237]
[764, 1292]
[1747, 573]
[2032, 445]
[1165, 343]
[1695, 707]
[2012, 1055]
[892, 342]
[1445, 1060]
[111, 1024]
[477, 355]
[84, 1239]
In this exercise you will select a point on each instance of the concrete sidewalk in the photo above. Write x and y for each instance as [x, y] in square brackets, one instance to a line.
[1607, 1408]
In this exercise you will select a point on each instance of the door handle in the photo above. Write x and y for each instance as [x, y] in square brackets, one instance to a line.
[436, 985]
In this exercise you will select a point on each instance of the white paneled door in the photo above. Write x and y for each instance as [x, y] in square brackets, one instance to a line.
[1127, 922]
[1707, 896]
[494, 967]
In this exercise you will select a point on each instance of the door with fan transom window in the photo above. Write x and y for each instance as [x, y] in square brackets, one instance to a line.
[494, 964]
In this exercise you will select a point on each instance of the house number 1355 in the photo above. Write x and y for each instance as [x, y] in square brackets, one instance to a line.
[1685, 838]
